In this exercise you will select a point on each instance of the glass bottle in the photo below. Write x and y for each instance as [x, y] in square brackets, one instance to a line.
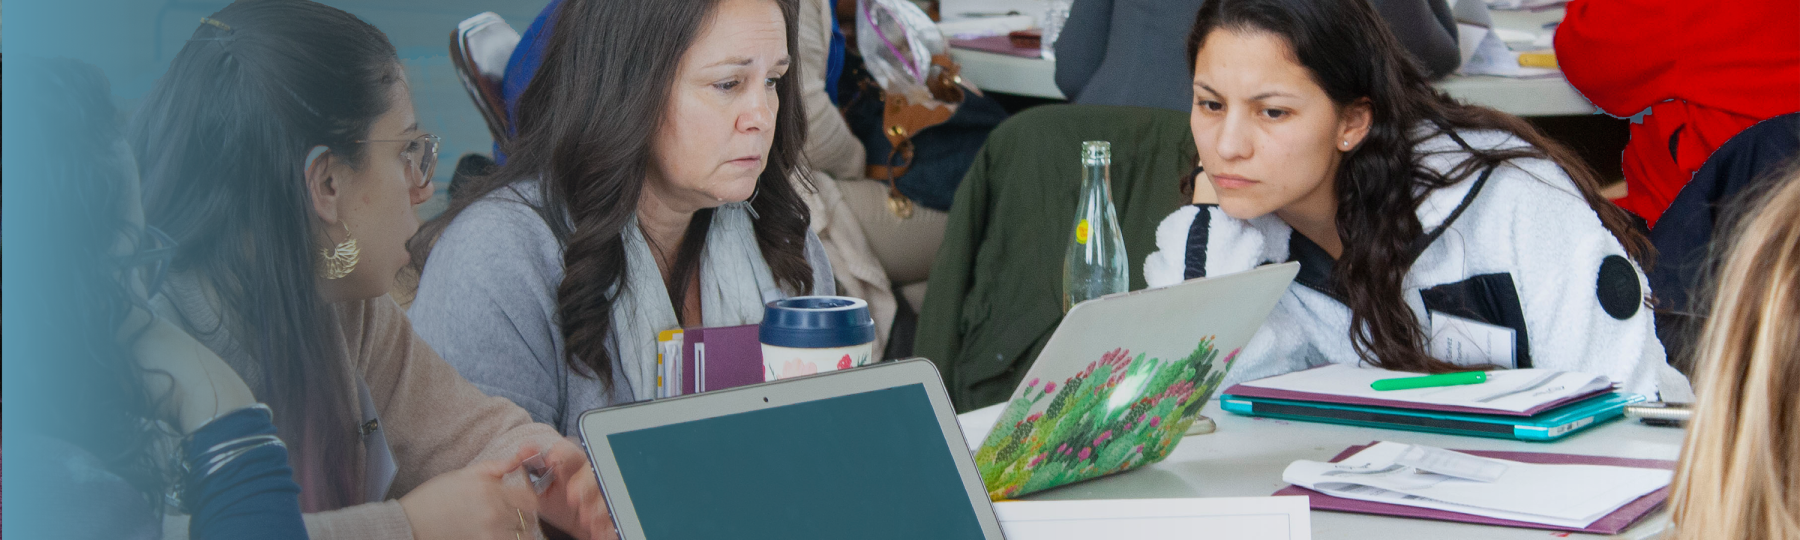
[1095, 264]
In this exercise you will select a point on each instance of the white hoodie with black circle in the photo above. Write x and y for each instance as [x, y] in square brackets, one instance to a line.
[1515, 269]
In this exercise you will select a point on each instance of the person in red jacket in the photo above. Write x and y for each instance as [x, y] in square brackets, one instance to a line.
[1705, 71]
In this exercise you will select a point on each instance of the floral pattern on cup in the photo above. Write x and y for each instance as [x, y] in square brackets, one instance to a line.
[783, 362]
[797, 367]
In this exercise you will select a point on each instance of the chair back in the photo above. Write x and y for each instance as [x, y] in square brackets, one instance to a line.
[479, 48]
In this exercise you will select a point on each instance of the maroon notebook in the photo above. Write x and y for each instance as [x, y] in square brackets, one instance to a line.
[1270, 393]
[1613, 523]
[995, 44]
[720, 358]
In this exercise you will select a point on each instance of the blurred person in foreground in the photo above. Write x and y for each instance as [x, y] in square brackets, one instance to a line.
[1739, 475]
[135, 414]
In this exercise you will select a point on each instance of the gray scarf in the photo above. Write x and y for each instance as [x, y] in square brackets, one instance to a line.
[735, 282]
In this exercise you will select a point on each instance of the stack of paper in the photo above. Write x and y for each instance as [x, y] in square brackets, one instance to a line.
[1508, 391]
[1490, 51]
[969, 19]
[975, 27]
[1572, 496]
[1525, 4]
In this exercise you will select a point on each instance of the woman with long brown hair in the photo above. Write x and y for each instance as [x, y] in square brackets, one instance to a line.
[1739, 475]
[648, 189]
[282, 154]
[1432, 235]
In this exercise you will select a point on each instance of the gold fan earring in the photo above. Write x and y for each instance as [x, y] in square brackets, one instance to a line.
[337, 262]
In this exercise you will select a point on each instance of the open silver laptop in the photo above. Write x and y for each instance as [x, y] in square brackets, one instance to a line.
[871, 452]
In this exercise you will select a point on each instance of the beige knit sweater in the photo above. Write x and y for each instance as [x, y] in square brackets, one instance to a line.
[436, 421]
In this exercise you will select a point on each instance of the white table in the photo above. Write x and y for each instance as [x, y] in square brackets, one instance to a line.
[1553, 96]
[1245, 457]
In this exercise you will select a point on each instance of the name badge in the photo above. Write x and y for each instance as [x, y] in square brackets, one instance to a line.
[1467, 342]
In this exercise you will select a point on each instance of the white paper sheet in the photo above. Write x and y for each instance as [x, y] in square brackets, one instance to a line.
[1512, 390]
[1563, 495]
[1513, 5]
[1466, 342]
[986, 26]
[1238, 518]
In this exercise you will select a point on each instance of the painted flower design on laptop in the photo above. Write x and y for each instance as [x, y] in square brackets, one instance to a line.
[1119, 413]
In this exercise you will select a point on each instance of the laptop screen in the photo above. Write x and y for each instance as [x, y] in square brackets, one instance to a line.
[867, 465]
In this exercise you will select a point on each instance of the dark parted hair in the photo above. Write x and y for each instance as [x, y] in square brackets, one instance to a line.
[96, 396]
[221, 143]
[1351, 54]
[586, 124]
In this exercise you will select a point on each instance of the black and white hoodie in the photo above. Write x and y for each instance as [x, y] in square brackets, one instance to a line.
[1515, 269]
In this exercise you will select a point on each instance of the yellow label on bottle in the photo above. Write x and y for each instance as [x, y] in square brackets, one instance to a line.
[1081, 232]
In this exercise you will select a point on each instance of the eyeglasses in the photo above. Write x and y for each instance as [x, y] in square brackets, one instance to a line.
[149, 265]
[421, 152]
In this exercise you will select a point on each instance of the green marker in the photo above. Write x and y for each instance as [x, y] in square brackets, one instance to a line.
[1428, 381]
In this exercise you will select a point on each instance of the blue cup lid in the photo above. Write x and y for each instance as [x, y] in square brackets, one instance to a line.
[816, 322]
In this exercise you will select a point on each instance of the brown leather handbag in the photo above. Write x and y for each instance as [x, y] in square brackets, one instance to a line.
[922, 151]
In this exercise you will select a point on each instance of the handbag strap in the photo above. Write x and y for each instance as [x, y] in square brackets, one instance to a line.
[901, 120]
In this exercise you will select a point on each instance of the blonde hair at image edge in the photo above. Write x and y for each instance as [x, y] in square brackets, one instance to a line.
[1739, 476]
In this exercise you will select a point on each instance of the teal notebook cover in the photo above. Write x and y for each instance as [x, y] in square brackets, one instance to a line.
[1545, 426]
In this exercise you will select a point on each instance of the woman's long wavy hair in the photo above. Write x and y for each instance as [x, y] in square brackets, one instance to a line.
[584, 127]
[1739, 475]
[221, 142]
[1351, 54]
[98, 399]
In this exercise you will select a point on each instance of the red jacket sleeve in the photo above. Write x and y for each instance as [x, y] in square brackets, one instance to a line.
[1741, 56]
[1614, 52]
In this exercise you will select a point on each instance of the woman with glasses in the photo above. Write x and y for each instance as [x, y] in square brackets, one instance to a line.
[282, 152]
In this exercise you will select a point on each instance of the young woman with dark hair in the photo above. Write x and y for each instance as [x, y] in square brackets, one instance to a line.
[281, 151]
[648, 189]
[1433, 236]
[124, 388]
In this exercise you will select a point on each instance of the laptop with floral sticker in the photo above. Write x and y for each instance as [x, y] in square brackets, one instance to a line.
[1122, 378]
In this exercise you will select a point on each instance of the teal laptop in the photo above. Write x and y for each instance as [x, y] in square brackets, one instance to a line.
[1549, 425]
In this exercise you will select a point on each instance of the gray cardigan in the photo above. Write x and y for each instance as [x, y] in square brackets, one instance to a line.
[487, 304]
[1134, 52]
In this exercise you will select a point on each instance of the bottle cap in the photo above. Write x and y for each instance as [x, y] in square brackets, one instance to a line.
[1096, 150]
